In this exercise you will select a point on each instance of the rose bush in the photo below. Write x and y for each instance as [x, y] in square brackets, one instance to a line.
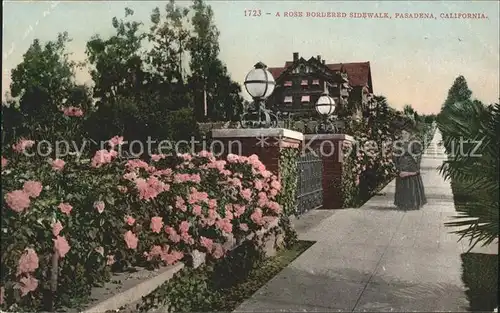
[88, 217]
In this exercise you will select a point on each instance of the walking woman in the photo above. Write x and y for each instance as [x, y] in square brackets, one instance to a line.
[410, 193]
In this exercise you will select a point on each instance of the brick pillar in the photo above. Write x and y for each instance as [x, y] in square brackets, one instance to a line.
[329, 148]
[266, 143]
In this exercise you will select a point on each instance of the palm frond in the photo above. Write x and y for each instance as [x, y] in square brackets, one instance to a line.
[473, 176]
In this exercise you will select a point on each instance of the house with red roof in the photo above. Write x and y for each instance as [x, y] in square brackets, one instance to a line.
[299, 84]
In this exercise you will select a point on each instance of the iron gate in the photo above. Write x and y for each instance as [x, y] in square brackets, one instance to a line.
[310, 183]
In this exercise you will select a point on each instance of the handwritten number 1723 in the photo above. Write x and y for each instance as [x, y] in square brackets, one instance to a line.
[252, 13]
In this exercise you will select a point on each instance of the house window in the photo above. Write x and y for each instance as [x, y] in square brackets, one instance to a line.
[288, 99]
[304, 82]
[305, 99]
[288, 84]
[316, 82]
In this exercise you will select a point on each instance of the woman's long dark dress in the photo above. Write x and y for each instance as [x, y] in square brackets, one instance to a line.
[410, 193]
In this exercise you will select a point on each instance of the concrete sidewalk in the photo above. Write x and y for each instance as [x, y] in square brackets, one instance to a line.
[376, 258]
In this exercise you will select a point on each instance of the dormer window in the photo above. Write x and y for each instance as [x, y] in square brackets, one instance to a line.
[302, 68]
[304, 82]
[288, 84]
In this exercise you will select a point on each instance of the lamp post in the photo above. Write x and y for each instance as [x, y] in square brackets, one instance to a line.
[325, 106]
[259, 84]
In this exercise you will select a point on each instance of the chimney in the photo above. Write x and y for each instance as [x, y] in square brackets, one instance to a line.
[319, 57]
[324, 62]
[295, 56]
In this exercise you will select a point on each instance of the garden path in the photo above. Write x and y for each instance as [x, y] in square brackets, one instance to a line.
[376, 258]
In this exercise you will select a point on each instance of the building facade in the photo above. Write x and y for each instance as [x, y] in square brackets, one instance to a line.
[301, 82]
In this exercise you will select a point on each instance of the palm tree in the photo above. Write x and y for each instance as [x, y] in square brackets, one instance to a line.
[473, 167]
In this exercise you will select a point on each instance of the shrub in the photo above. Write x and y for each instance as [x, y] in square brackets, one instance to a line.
[84, 218]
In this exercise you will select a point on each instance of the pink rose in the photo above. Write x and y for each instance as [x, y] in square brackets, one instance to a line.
[18, 200]
[115, 141]
[129, 220]
[65, 208]
[184, 226]
[58, 164]
[218, 251]
[27, 284]
[256, 217]
[206, 242]
[61, 246]
[32, 188]
[28, 262]
[4, 164]
[131, 240]
[244, 227]
[197, 209]
[156, 224]
[22, 145]
[99, 206]
[56, 228]
[246, 194]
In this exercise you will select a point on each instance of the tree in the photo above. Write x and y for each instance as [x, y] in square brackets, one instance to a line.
[43, 83]
[476, 175]
[117, 66]
[459, 92]
[408, 110]
[169, 36]
[208, 74]
[42, 79]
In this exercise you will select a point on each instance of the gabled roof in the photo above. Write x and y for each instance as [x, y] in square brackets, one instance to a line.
[359, 73]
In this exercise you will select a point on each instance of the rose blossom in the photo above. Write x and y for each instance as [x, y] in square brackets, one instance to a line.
[218, 251]
[244, 227]
[27, 284]
[115, 141]
[156, 224]
[61, 246]
[32, 188]
[65, 208]
[58, 164]
[28, 262]
[4, 164]
[131, 240]
[22, 145]
[56, 228]
[18, 200]
[206, 242]
[246, 194]
[256, 217]
[129, 220]
[184, 226]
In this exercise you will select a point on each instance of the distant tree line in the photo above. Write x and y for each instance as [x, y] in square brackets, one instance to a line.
[147, 82]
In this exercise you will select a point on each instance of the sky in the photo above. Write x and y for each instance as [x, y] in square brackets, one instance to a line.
[413, 61]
